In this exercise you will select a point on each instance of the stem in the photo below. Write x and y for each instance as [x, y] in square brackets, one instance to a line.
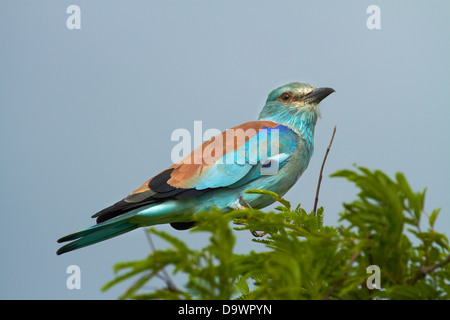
[321, 172]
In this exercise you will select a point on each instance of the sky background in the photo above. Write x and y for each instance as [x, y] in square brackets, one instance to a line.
[86, 116]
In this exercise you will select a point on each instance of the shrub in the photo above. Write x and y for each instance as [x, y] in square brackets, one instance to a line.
[300, 258]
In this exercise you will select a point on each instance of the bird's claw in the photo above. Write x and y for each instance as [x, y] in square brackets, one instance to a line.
[258, 234]
[239, 206]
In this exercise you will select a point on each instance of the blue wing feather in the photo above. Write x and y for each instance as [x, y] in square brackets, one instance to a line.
[244, 164]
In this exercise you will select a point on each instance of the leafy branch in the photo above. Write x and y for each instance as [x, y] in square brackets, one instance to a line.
[300, 257]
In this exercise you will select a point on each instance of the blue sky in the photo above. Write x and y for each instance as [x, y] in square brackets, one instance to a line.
[86, 116]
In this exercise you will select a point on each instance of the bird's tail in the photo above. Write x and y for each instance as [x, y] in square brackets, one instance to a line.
[95, 234]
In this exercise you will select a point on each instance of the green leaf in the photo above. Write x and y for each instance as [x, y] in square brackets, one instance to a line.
[433, 217]
[273, 195]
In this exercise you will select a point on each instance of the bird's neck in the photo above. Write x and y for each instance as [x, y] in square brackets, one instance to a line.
[300, 121]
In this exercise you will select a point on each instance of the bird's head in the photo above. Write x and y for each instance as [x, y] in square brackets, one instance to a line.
[294, 104]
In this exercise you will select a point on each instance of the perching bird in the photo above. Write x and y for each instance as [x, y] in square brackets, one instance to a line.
[270, 154]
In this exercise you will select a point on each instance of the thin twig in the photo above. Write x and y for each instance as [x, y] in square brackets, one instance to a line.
[321, 172]
[165, 276]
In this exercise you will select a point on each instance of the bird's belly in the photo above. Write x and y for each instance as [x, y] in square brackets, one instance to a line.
[279, 183]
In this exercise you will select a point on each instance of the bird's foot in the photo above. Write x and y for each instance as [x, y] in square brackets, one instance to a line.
[258, 233]
[239, 206]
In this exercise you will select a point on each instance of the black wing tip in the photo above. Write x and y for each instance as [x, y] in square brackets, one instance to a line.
[159, 182]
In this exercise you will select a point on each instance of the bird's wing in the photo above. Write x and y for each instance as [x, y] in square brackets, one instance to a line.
[229, 159]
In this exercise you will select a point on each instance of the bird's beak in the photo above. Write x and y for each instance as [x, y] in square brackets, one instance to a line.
[318, 95]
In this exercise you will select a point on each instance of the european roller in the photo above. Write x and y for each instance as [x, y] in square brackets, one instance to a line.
[270, 154]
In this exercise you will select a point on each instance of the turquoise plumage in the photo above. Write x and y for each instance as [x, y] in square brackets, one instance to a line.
[270, 153]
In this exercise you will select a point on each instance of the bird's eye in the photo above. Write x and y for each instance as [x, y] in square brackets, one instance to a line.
[285, 96]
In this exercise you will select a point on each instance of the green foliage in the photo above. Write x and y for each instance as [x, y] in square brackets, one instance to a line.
[300, 258]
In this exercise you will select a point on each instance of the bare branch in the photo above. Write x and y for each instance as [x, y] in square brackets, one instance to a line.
[321, 171]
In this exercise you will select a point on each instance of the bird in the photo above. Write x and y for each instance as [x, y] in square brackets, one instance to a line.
[270, 153]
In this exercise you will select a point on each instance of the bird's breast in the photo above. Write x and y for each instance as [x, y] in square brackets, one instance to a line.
[280, 182]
